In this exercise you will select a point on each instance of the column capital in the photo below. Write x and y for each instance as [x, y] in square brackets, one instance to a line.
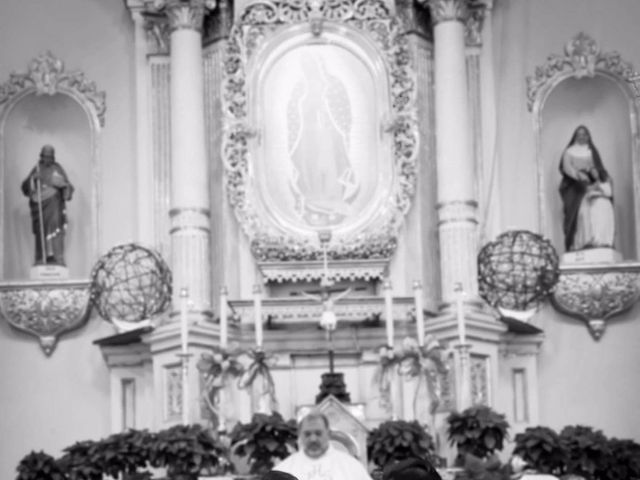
[448, 10]
[185, 14]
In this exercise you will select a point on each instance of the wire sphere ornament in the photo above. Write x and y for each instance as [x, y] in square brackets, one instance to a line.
[517, 271]
[130, 284]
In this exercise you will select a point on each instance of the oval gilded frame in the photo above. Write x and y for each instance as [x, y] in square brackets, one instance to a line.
[274, 49]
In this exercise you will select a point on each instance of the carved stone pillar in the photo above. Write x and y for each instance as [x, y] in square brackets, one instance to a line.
[457, 204]
[190, 202]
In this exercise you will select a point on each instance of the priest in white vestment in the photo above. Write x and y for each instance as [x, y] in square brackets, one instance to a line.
[317, 459]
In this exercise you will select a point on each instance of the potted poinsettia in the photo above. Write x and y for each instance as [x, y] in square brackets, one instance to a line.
[39, 466]
[586, 449]
[541, 449]
[622, 461]
[186, 451]
[398, 440]
[126, 453]
[81, 461]
[265, 439]
[478, 432]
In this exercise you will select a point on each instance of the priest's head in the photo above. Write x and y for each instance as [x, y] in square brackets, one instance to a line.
[313, 434]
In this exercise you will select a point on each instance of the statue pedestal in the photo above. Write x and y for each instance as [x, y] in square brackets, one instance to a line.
[47, 273]
[591, 256]
[333, 384]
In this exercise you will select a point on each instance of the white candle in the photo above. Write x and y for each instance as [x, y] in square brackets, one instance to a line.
[388, 304]
[417, 294]
[462, 334]
[184, 320]
[223, 318]
[257, 310]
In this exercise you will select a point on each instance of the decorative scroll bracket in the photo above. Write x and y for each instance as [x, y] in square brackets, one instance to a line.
[46, 310]
[595, 293]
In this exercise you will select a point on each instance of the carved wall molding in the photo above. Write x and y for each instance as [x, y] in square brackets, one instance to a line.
[582, 58]
[596, 293]
[46, 310]
[313, 271]
[371, 20]
[291, 310]
[46, 75]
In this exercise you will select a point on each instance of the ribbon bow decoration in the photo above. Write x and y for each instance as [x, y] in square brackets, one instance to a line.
[260, 367]
[383, 376]
[217, 369]
[426, 362]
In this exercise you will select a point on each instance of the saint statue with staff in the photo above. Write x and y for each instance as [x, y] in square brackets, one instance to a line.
[48, 189]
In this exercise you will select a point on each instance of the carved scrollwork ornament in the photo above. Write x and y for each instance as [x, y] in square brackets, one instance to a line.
[596, 295]
[46, 311]
[582, 58]
[46, 75]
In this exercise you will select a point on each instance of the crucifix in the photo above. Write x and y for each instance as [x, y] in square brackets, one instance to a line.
[328, 320]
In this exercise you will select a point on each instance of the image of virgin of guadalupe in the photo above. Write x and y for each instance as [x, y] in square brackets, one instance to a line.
[323, 182]
[587, 195]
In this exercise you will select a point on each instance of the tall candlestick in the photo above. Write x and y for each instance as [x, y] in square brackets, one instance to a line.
[388, 304]
[257, 310]
[184, 338]
[184, 320]
[462, 333]
[417, 294]
[223, 318]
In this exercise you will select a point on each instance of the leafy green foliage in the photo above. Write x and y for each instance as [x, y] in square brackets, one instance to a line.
[398, 440]
[82, 461]
[125, 452]
[622, 461]
[185, 449]
[478, 430]
[264, 439]
[587, 450]
[39, 466]
[542, 449]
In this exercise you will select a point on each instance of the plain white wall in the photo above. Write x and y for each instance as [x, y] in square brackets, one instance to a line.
[49, 403]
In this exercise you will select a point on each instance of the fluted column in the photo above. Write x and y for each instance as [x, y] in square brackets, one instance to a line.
[457, 204]
[190, 201]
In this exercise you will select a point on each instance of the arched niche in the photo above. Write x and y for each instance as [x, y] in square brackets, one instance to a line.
[47, 105]
[601, 91]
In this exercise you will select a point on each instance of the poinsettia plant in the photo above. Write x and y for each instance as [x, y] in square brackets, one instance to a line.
[187, 450]
[478, 430]
[541, 449]
[39, 466]
[398, 440]
[264, 439]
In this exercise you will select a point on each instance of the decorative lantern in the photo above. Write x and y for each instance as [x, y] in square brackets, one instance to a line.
[129, 285]
[517, 272]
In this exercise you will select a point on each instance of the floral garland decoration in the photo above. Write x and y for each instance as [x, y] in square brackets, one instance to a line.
[383, 376]
[260, 367]
[428, 362]
[217, 370]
